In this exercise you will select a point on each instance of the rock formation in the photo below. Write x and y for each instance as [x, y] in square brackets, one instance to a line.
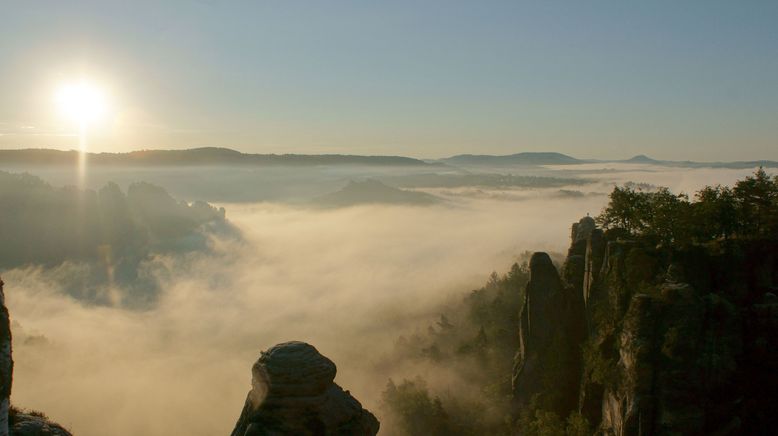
[293, 392]
[644, 339]
[550, 330]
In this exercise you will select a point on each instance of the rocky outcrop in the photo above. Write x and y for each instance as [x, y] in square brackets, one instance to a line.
[293, 392]
[675, 340]
[550, 330]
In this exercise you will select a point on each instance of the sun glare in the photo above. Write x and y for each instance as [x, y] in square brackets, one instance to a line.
[82, 102]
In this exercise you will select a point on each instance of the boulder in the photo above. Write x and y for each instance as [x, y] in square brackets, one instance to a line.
[293, 392]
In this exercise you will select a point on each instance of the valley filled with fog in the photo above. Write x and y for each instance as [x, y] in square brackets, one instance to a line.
[348, 258]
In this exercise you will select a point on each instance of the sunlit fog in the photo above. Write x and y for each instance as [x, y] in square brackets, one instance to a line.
[349, 279]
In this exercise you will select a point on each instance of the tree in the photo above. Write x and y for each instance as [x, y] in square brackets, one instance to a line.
[415, 411]
[715, 213]
[626, 210]
[749, 210]
[757, 201]
[666, 216]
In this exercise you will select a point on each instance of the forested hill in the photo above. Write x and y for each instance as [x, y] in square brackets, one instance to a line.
[208, 156]
[527, 158]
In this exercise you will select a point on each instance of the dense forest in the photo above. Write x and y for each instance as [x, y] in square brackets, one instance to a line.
[663, 320]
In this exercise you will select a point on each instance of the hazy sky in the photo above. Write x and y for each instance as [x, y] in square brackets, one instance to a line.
[672, 79]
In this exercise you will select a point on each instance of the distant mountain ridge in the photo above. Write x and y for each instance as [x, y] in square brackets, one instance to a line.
[196, 156]
[643, 159]
[553, 158]
[525, 158]
[215, 156]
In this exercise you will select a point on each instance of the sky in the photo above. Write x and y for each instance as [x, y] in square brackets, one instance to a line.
[601, 79]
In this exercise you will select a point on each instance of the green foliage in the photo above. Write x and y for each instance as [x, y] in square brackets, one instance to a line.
[598, 352]
[599, 368]
[715, 213]
[537, 421]
[667, 216]
[578, 425]
[416, 413]
[546, 424]
[756, 201]
[748, 210]
[626, 210]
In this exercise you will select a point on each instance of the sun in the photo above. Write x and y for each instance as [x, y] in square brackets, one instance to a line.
[82, 102]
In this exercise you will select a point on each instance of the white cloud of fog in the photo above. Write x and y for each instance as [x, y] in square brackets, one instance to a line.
[349, 281]
[687, 180]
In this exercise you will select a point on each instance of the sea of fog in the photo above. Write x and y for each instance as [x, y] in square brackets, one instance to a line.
[348, 280]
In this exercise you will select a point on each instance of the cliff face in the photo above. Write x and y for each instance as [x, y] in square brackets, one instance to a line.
[293, 393]
[658, 340]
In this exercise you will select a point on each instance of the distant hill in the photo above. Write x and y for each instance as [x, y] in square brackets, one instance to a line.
[214, 156]
[552, 158]
[643, 159]
[372, 191]
[196, 157]
[526, 158]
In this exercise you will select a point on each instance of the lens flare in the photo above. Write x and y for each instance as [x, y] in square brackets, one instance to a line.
[82, 103]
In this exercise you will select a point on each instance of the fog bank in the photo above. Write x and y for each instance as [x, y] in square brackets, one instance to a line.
[349, 281]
